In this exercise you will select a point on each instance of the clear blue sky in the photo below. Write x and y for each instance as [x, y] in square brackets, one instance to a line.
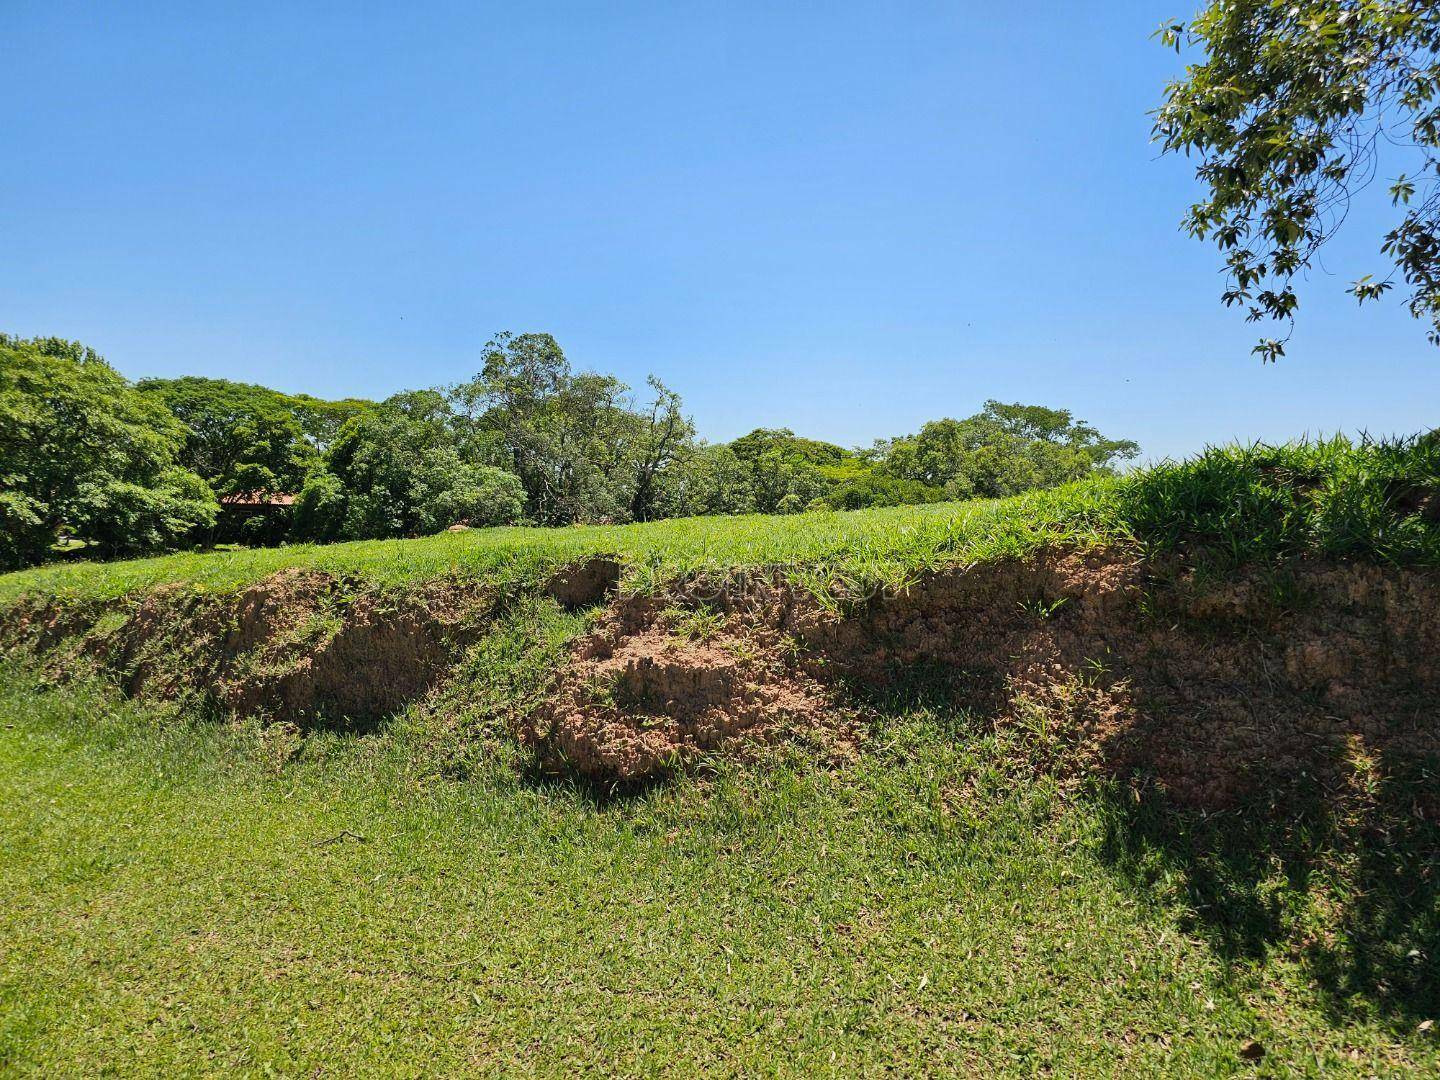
[843, 218]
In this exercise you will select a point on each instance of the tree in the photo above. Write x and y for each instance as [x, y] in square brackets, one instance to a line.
[1289, 111]
[877, 489]
[396, 470]
[936, 457]
[240, 438]
[707, 480]
[575, 441]
[784, 483]
[660, 437]
[789, 445]
[1003, 450]
[322, 420]
[82, 451]
[787, 473]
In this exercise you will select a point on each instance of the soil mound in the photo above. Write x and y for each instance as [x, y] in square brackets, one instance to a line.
[652, 689]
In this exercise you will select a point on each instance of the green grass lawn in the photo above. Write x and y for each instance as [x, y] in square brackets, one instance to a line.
[185, 894]
[176, 898]
[863, 545]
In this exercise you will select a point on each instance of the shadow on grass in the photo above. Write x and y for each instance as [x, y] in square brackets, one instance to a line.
[1334, 865]
[1346, 883]
[1343, 879]
[600, 794]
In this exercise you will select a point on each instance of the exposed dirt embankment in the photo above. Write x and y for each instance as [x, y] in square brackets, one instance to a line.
[1126, 665]
[297, 646]
[300, 646]
[657, 684]
[1212, 688]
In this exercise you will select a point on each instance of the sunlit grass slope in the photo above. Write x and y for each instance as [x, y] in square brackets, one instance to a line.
[181, 899]
[1369, 500]
[864, 544]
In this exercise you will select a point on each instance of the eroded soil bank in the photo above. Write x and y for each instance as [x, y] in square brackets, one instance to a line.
[1211, 687]
[293, 647]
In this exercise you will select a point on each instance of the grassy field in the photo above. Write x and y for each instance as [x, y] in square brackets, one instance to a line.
[1329, 497]
[172, 902]
[869, 545]
[186, 894]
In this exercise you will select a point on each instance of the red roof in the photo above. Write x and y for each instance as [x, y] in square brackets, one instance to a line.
[257, 498]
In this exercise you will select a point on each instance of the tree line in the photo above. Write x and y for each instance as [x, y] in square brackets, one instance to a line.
[127, 468]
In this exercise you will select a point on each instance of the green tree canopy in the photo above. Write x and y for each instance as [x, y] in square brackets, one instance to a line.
[657, 438]
[322, 420]
[875, 488]
[784, 483]
[706, 479]
[579, 444]
[396, 470]
[1002, 450]
[788, 473]
[789, 446]
[1289, 110]
[552, 428]
[82, 451]
[240, 438]
[527, 438]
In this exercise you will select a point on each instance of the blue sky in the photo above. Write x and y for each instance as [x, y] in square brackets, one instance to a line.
[843, 218]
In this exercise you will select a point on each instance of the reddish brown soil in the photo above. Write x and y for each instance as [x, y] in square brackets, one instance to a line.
[585, 583]
[1127, 666]
[1209, 689]
[1132, 666]
[639, 700]
[369, 659]
[296, 646]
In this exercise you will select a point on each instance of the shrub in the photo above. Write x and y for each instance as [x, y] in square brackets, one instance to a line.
[1368, 499]
[876, 489]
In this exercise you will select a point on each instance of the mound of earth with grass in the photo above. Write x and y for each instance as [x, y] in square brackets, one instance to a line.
[299, 646]
[1211, 685]
[658, 684]
[1219, 625]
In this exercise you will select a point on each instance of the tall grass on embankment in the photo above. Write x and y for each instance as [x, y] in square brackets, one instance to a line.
[1370, 500]
[1337, 498]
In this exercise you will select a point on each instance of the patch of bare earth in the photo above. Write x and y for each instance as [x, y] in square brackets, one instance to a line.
[298, 645]
[583, 583]
[643, 696]
[1104, 662]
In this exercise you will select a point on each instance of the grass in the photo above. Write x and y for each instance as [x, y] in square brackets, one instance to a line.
[1375, 501]
[184, 895]
[868, 545]
[182, 898]
[1332, 497]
